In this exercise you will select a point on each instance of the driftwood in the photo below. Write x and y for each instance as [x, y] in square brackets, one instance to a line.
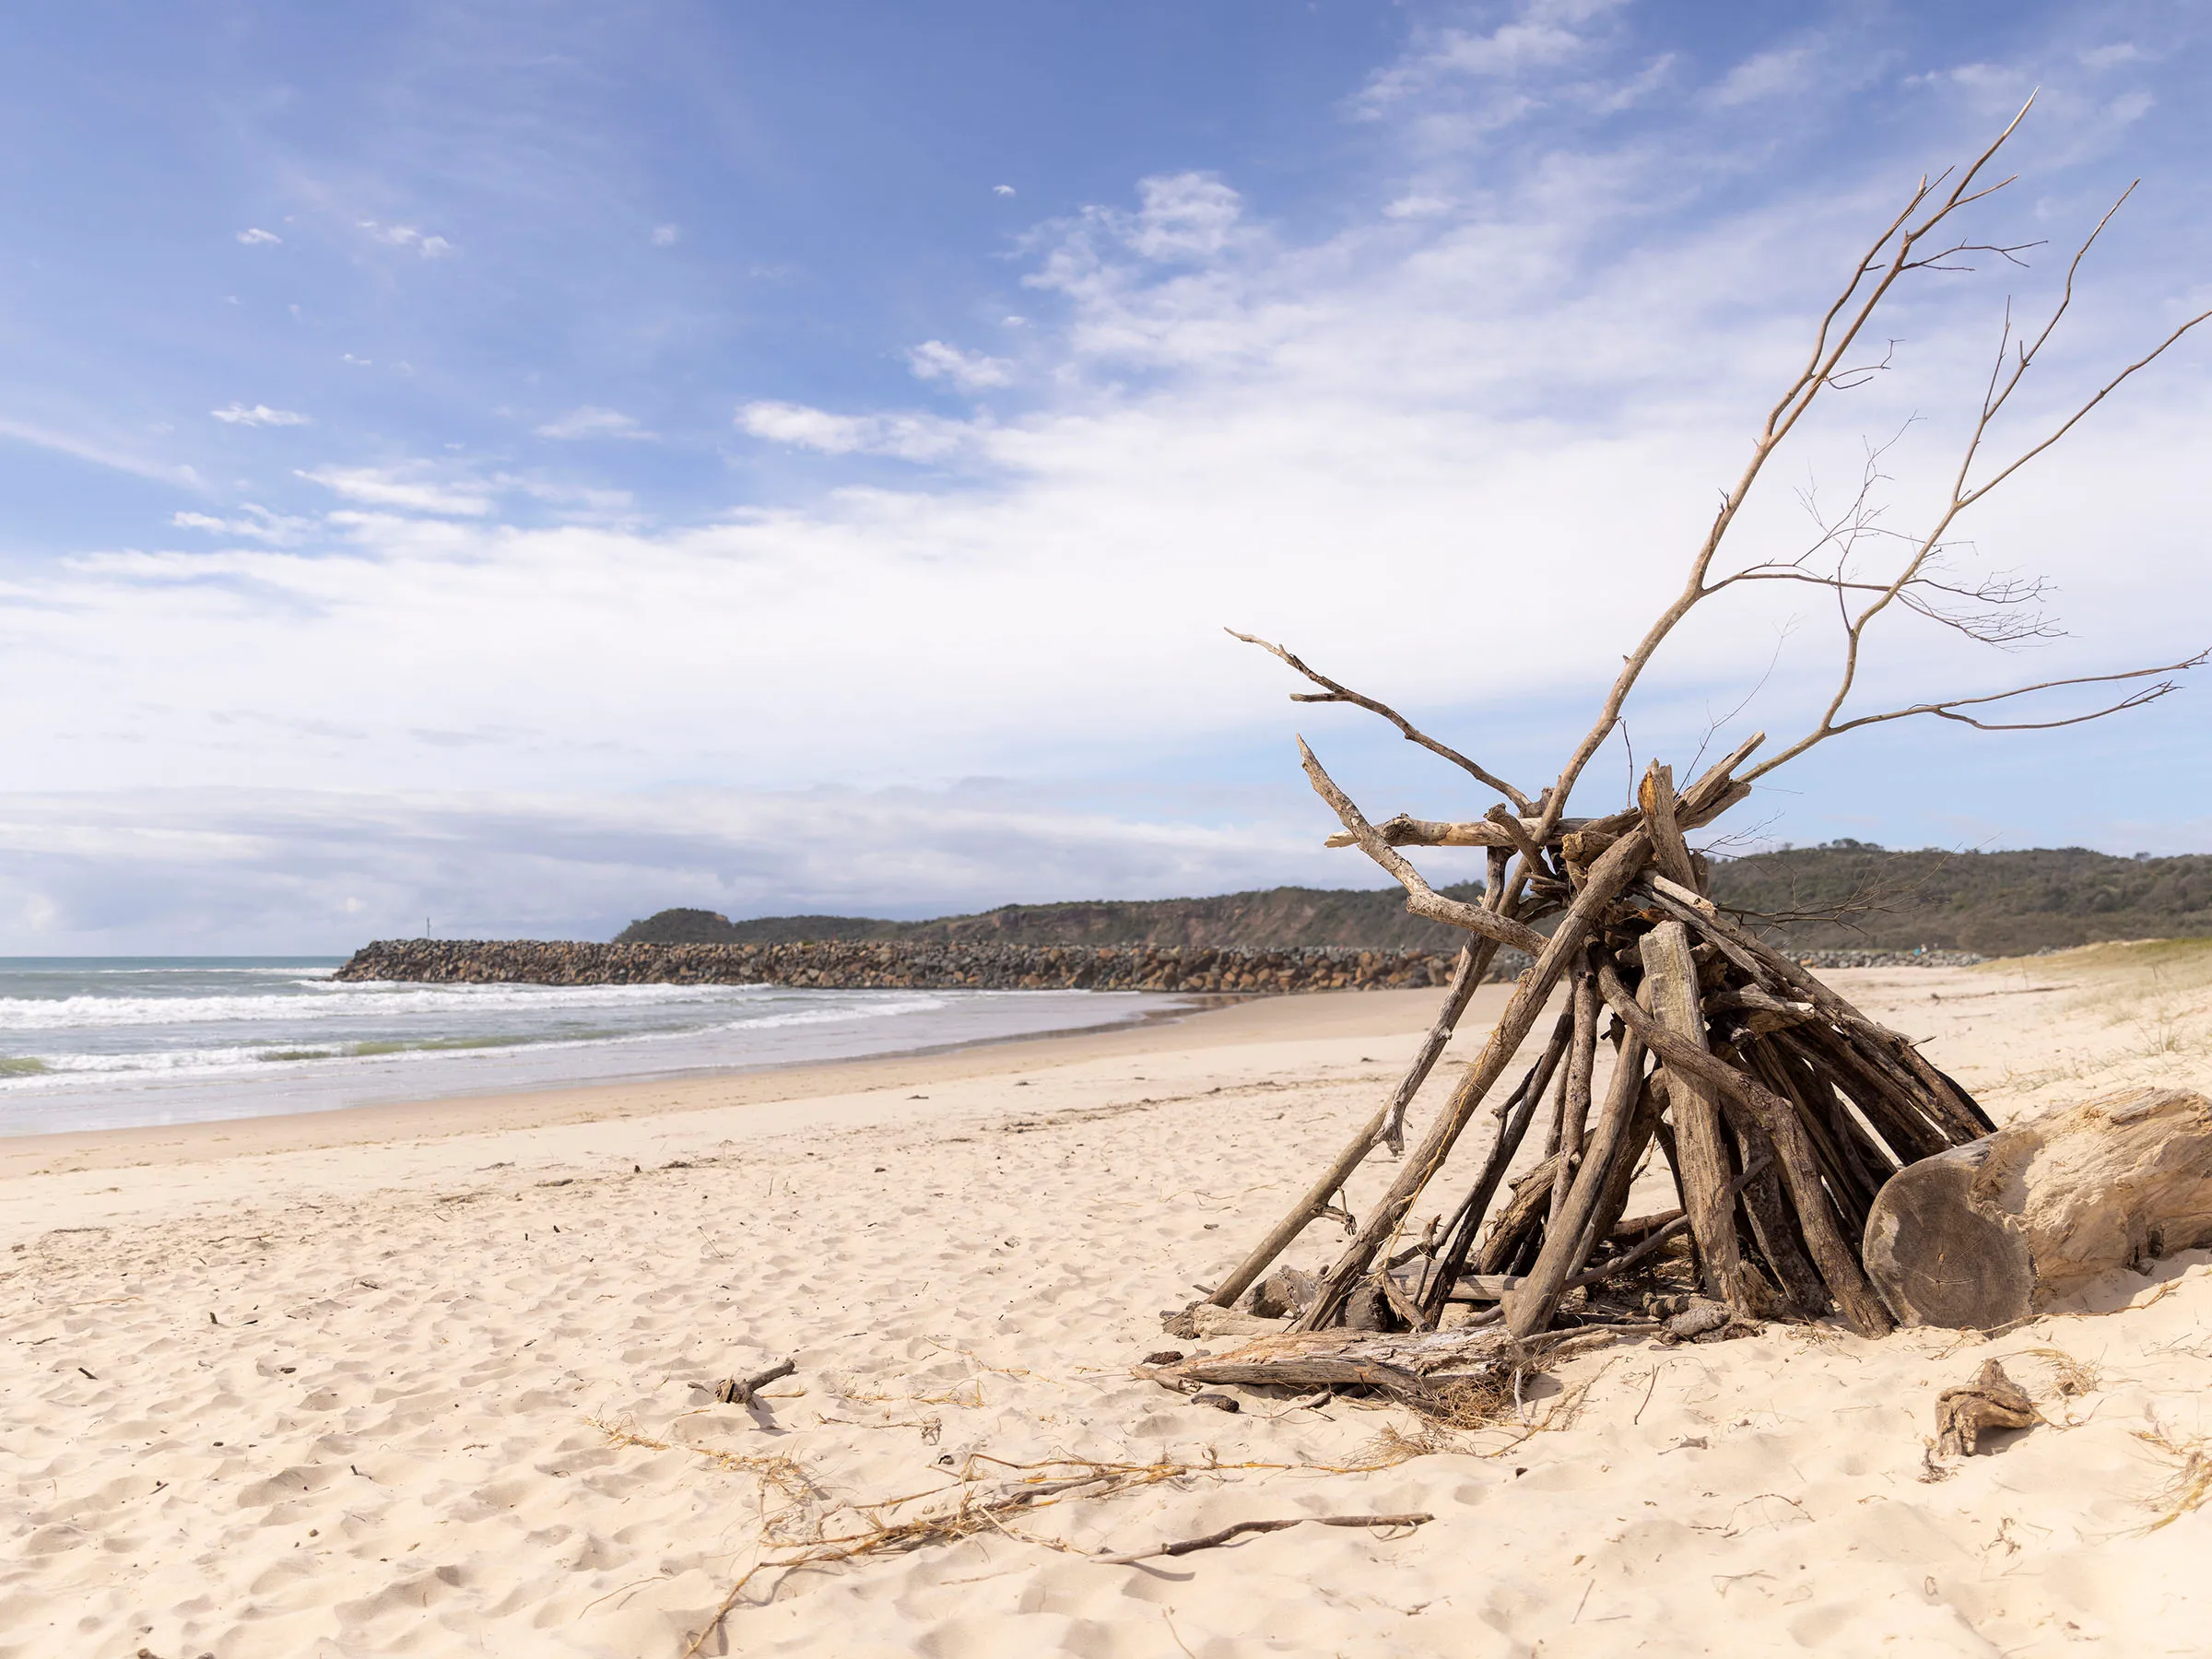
[1993, 1231]
[1794, 1127]
[1992, 1400]
[1670, 988]
[1455, 1375]
[732, 1391]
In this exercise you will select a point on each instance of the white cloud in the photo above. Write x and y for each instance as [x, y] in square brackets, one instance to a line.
[970, 371]
[1184, 216]
[1416, 206]
[407, 236]
[1767, 75]
[2105, 57]
[590, 421]
[900, 436]
[359, 362]
[1003, 190]
[1546, 34]
[588, 503]
[264, 869]
[256, 237]
[665, 236]
[259, 415]
[406, 489]
[257, 524]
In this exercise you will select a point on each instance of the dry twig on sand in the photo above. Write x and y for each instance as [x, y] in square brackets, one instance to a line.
[1214, 1539]
[969, 1504]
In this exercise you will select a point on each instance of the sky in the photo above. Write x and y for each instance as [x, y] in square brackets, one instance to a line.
[506, 468]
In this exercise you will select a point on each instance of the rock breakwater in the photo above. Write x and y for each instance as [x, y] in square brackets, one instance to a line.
[882, 965]
[1878, 956]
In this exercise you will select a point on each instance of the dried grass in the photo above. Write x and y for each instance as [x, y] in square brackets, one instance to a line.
[776, 1471]
[2192, 1482]
[2072, 1377]
[1395, 1445]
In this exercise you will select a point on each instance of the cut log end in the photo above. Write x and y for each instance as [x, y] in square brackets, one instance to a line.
[1937, 1259]
[2006, 1226]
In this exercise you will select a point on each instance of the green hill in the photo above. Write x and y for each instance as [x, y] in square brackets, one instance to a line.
[1845, 893]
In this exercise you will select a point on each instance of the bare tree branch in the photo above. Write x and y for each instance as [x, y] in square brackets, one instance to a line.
[1948, 708]
[1333, 692]
[1420, 898]
[1879, 271]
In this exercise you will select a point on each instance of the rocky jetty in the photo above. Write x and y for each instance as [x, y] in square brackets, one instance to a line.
[1877, 957]
[902, 965]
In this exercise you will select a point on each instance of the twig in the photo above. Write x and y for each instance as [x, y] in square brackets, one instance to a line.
[1213, 1539]
[1333, 692]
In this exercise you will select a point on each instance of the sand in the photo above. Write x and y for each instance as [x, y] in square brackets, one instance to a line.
[437, 1380]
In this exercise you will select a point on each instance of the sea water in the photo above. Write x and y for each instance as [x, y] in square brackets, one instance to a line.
[104, 1042]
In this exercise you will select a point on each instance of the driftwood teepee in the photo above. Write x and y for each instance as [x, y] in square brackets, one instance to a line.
[1780, 1108]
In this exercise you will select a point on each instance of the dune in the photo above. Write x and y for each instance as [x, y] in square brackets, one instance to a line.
[440, 1378]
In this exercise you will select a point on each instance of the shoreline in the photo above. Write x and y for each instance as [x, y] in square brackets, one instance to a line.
[1202, 1022]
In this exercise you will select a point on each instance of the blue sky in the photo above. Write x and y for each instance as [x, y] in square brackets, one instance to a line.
[527, 464]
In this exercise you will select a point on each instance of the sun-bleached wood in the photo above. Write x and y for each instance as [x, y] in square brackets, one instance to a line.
[1989, 1233]
[1670, 989]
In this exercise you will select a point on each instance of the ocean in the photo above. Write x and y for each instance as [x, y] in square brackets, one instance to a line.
[90, 1042]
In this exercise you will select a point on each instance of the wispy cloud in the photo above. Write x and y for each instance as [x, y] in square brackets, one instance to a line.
[259, 415]
[969, 371]
[590, 421]
[2107, 57]
[406, 489]
[407, 236]
[254, 522]
[119, 456]
[1765, 75]
[259, 238]
[905, 436]
[666, 236]
[1544, 35]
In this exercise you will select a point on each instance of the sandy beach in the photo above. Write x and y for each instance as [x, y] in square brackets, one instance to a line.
[436, 1379]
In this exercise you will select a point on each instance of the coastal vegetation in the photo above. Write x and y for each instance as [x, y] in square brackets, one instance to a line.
[1840, 894]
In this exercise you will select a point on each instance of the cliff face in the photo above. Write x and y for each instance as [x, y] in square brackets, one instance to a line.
[894, 965]
[1997, 903]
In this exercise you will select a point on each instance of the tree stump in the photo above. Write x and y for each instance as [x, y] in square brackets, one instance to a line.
[2002, 1227]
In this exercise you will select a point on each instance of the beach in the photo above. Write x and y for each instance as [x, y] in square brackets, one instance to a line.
[437, 1377]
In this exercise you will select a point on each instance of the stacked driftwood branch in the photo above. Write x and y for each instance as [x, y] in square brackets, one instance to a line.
[1779, 1109]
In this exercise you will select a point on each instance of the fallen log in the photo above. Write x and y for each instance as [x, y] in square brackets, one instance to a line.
[2000, 1228]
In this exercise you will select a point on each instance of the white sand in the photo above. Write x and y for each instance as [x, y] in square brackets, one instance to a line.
[344, 1385]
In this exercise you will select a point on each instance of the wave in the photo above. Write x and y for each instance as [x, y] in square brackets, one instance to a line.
[324, 1000]
[51, 1069]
